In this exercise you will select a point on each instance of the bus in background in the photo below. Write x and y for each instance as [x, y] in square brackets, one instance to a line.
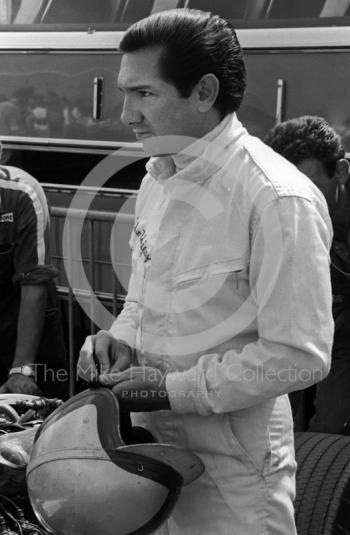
[60, 58]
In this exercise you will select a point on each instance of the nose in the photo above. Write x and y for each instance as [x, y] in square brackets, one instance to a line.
[130, 114]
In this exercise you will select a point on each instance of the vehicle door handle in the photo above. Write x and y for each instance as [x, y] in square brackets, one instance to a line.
[280, 103]
[97, 98]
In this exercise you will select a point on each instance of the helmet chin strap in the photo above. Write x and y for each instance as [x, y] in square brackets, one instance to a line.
[133, 434]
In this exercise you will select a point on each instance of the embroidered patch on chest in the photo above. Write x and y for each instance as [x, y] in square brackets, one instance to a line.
[7, 218]
[142, 237]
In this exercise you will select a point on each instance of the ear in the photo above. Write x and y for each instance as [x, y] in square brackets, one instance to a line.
[342, 171]
[207, 91]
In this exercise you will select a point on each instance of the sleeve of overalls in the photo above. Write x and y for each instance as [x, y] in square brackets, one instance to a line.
[126, 325]
[32, 240]
[290, 287]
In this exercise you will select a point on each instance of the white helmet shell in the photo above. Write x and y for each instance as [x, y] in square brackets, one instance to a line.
[83, 479]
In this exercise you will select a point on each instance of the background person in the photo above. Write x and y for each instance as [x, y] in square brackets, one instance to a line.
[224, 311]
[316, 149]
[32, 350]
[14, 110]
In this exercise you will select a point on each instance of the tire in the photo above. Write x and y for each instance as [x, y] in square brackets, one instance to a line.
[322, 503]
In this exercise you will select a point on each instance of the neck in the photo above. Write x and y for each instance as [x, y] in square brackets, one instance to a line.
[210, 121]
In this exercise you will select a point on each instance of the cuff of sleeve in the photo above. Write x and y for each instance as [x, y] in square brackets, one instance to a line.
[37, 275]
[126, 335]
[185, 393]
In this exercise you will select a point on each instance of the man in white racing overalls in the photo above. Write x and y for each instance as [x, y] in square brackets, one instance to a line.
[229, 302]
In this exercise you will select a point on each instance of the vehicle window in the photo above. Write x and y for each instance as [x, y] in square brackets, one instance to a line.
[79, 12]
[316, 10]
[57, 12]
[47, 14]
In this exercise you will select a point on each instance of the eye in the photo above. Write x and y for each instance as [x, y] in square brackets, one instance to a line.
[145, 93]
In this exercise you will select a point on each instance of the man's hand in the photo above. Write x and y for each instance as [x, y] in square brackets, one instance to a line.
[140, 388]
[20, 384]
[102, 354]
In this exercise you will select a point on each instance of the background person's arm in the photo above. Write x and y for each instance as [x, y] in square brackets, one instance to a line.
[32, 272]
[29, 330]
[30, 323]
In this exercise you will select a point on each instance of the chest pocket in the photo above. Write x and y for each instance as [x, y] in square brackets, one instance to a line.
[218, 248]
[6, 262]
[235, 268]
[211, 291]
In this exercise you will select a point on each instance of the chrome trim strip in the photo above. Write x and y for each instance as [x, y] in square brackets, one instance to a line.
[69, 188]
[66, 40]
[74, 150]
[50, 142]
[63, 148]
[327, 36]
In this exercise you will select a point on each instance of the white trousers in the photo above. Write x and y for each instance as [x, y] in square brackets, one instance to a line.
[248, 485]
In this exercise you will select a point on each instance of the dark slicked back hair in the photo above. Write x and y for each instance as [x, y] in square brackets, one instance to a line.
[307, 137]
[193, 43]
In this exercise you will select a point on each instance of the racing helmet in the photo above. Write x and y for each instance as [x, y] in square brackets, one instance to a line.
[83, 478]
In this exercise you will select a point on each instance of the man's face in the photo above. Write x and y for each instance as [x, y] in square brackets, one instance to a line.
[153, 107]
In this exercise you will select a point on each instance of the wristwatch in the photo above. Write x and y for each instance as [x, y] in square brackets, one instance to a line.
[24, 370]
